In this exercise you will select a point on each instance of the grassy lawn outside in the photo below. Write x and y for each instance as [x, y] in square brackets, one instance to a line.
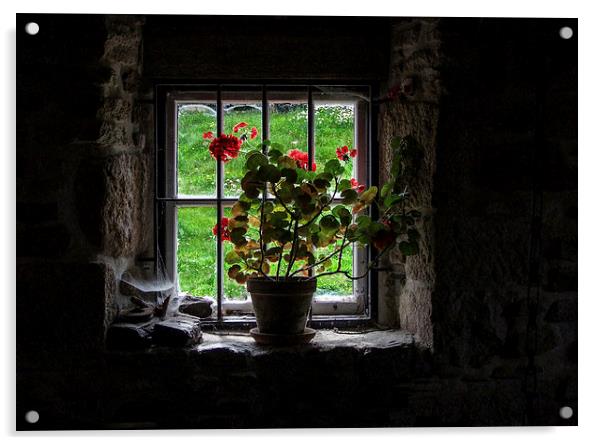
[334, 127]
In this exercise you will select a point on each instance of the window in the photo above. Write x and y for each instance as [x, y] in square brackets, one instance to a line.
[194, 191]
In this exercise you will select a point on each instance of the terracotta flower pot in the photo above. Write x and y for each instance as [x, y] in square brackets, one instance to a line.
[281, 307]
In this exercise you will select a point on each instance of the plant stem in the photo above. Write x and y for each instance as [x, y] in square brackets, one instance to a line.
[293, 253]
[359, 277]
[312, 266]
[282, 254]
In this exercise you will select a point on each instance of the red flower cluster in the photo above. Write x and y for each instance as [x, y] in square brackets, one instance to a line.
[357, 186]
[253, 133]
[302, 159]
[225, 231]
[208, 135]
[225, 147]
[239, 126]
[344, 154]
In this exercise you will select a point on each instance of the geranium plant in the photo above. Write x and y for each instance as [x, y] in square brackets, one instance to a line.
[286, 214]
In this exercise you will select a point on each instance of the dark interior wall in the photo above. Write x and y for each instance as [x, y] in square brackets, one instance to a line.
[247, 47]
[505, 194]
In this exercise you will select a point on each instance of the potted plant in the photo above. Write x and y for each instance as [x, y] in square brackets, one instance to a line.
[286, 213]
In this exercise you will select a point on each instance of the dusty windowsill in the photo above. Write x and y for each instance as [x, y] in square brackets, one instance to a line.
[325, 340]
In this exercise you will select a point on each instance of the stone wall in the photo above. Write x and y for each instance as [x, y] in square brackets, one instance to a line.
[82, 174]
[493, 103]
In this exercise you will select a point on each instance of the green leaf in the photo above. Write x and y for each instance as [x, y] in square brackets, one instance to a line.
[334, 167]
[269, 173]
[345, 184]
[238, 236]
[274, 154]
[329, 224]
[386, 189]
[343, 214]
[395, 142]
[232, 257]
[349, 196]
[368, 196]
[321, 184]
[234, 271]
[286, 162]
[363, 221]
[408, 248]
[256, 160]
[289, 174]
[391, 200]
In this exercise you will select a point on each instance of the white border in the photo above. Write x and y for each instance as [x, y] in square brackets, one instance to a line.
[590, 147]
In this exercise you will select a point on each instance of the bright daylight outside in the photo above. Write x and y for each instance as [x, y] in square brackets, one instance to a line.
[197, 241]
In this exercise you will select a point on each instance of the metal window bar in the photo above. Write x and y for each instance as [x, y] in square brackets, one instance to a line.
[219, 209]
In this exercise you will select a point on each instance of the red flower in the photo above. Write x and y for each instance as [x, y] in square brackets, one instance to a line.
[239, 126]
[357, 186]
[344, 154]
[383, 238]
[225, 231]
[225, 147]
[302, 159]
[208, 135]
[253, 133]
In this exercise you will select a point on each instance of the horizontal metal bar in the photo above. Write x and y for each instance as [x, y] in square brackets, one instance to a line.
[198, 200]
[226, 83]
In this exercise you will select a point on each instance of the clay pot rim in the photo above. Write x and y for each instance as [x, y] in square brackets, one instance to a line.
[294, 285]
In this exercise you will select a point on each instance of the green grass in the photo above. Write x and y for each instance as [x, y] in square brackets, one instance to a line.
[197, 173]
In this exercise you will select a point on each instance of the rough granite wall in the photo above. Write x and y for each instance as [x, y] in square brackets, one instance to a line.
[412, 108]
[494, 291]
[82, 177]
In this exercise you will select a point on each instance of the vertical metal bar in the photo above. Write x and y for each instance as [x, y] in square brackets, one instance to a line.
[156, 180]
[310, 153]
[372, 173]
[310, 127]
[265, 115]
[219, 210]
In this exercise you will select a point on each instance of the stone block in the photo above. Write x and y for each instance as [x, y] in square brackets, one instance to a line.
[198, 307]
[182, 330]
[129, 336]
[109, 202]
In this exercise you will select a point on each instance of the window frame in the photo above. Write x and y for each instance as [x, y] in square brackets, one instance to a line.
[167, 201]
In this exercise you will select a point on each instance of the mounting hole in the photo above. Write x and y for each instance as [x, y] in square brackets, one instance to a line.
[32, 417]
[566, 32]
[566, 412]
[32, 28]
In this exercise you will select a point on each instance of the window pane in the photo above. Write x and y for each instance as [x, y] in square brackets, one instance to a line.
[334, 128]
[236, 111]
[196, 251]
[196, 167]
[288, 123]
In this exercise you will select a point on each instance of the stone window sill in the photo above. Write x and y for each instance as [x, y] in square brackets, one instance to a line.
[325, 340]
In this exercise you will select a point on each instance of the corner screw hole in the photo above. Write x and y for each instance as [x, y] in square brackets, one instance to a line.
[32, 28]
[566, 32]
[32, 417]
[566, 412]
